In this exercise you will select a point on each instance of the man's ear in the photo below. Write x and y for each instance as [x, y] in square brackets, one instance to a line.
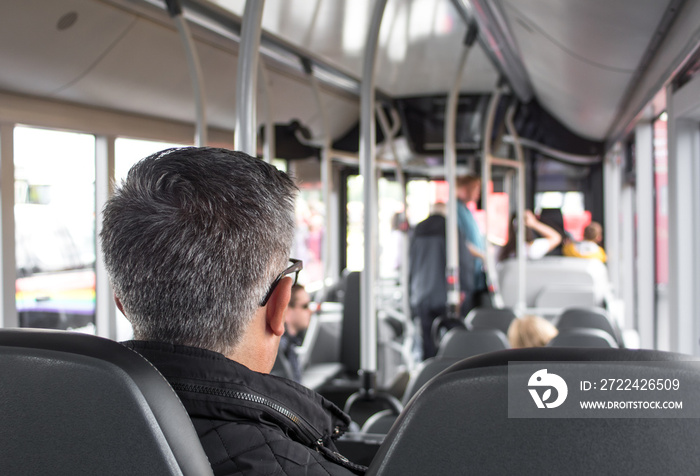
[119, 304]
[277, 306]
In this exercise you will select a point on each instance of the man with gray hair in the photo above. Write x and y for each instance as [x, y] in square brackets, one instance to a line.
[196, 242]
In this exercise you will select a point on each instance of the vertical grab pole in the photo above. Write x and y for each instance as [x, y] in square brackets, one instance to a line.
[368, 315]
[269, 147]
[8, 256]
[105, 310]
[451, 231]
[521, 304]
[486, 175]
[246, 84]
[326, 179]
[195, 70]
[390, 134]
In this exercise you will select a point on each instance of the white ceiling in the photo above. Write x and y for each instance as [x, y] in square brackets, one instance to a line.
[580, 55]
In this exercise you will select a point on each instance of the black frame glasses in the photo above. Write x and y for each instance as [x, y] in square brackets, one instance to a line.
[297, 265]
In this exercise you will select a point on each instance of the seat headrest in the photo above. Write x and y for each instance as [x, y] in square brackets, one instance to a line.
[89, 405]
[579, 337]
[459, 423]
[460, 343]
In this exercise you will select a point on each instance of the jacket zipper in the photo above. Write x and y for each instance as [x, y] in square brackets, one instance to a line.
[313, 437]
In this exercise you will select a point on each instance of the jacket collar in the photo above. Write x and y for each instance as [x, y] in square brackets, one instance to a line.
[214, 387]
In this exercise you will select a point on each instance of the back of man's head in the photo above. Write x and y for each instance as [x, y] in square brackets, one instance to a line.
[438, 208]
[468, 187]
[193, 239]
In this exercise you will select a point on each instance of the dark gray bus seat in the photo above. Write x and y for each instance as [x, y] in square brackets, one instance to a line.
[457, 344]
[489, 318]
[79, 404]
[282, 367]
[329, 340]
[350, 338]
[380, 422]
[422, 374]
[460, 344]
[319, 353]
[459, 424]
[589, 318]
[589, 338]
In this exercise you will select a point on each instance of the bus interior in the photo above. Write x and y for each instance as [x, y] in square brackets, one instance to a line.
[587, 110]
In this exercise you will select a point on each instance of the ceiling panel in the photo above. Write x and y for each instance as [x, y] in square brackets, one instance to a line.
[146, 72]
[38, 58]
[581, 55]
[420, 41]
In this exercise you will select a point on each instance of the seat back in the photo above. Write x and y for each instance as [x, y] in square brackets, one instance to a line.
[556, 282]
[322, 339]
[490, 318]
[79, 404]
[588, 318]
[427, 369]
[460, 344]
[282, 367]
[590, 338]
[459, 424]
[380, 422]
[350, 343]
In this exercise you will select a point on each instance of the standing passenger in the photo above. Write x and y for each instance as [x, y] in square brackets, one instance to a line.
[469, 190]
[196, 242]
[427, 275]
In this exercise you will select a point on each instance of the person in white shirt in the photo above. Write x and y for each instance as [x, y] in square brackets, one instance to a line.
[535, 248]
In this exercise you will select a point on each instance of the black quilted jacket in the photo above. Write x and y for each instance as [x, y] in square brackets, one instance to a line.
[252, 423]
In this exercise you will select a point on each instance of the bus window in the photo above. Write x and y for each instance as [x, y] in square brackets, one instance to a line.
[355, 238]
[55, 228]
[310, 234]
[661, 226]
[390, 241]
[420, 196]
[576, 218]
[129, 151]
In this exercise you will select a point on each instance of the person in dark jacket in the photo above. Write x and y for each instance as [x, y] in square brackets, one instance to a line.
[297, 320]
[427, 274]
[196, 243]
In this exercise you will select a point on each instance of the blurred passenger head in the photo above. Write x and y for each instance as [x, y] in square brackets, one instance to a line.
[593, 232]
[530, 331]
[299, 311]
[509, 249]
[468, 188]
[193, 239]
[438, 208]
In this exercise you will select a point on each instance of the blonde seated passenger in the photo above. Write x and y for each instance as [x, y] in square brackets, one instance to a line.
[590, 246]
[531, 331]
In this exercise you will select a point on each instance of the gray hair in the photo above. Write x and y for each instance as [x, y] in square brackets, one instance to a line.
[192, 241]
